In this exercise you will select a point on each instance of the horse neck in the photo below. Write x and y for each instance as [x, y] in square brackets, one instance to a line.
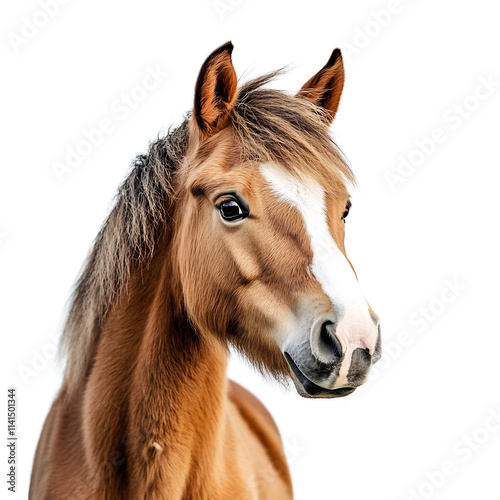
[156, 393]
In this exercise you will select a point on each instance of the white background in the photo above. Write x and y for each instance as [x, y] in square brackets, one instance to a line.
[404, 79]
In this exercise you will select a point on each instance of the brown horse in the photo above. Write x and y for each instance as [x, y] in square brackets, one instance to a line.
[230, 231]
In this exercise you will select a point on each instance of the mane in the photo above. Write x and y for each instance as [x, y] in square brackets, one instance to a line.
[269, 126]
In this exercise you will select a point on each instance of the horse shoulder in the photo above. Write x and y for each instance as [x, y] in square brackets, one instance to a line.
[262, 425]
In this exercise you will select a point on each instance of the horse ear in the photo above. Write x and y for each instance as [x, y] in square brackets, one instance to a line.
[325, 87]
[215, 91]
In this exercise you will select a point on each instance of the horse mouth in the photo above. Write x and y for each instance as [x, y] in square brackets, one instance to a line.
[312, 390]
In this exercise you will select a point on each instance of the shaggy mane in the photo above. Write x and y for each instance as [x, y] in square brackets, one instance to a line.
[268, 125]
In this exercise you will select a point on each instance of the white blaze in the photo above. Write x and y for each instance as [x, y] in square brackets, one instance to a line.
[355, 327]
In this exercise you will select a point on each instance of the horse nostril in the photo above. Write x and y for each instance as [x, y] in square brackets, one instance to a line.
[329, 340]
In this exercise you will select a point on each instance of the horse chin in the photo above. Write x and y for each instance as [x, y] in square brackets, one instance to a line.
[311, 390]
[308, 389]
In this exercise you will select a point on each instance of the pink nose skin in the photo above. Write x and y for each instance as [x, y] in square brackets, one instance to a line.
[356, 338]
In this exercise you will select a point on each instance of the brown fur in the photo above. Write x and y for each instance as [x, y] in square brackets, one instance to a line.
[145, 410]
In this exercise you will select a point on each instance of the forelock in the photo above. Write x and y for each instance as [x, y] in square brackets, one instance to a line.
[271, 126]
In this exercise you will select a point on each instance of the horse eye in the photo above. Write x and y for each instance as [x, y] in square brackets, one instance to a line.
[231, 210]
[346, 211]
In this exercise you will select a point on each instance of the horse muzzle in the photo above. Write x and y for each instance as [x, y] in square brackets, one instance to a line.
[334, 360]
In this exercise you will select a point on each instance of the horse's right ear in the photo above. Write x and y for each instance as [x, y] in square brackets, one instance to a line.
[215, 91]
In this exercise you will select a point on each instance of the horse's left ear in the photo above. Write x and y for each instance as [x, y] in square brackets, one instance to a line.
[215, 91]
[325, 87]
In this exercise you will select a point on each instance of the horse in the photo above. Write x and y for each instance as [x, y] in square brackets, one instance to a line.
[228, 232]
